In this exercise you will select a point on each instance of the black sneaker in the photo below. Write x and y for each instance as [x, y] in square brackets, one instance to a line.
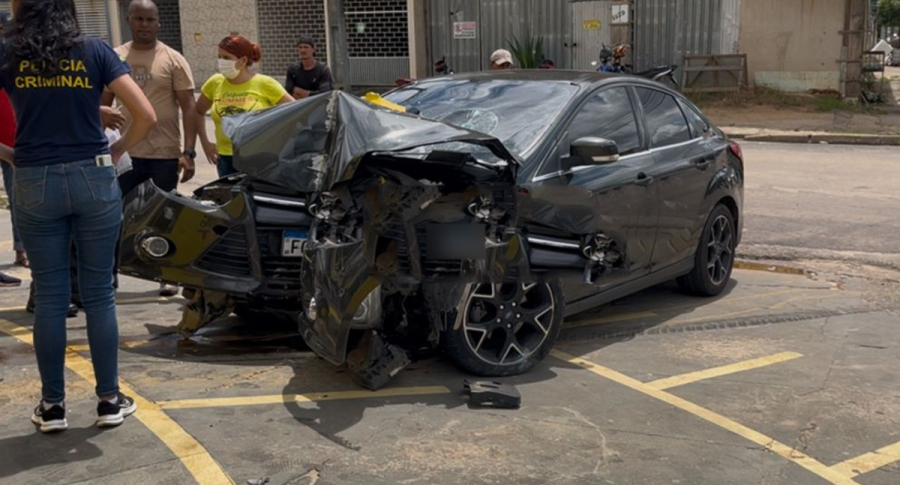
[51, 420]
[110, 415]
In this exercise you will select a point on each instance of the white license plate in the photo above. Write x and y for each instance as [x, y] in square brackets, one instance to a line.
[292, 243]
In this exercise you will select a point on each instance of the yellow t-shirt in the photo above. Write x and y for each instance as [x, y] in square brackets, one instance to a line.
[260, 92]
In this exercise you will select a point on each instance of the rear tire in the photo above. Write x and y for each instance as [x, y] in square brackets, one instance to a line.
[714, 259]
[505, 330]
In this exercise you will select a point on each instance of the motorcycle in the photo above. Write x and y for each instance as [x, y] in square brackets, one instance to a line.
[617, 54]
[611, 61]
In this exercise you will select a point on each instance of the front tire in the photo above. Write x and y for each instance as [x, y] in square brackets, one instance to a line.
[714, 260]
[505, 330]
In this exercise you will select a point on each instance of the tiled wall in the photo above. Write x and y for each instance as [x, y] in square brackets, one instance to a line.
[281, 24]
[204, 23]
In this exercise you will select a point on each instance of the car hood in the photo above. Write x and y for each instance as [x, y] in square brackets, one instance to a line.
[310, 145]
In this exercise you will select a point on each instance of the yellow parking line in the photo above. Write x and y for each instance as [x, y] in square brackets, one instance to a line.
[780, 449]
[870, 461]
[724, 370]
[298, 398]
[194, 457]
[623, 317]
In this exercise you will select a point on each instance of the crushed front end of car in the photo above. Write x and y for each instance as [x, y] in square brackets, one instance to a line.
[406, 212]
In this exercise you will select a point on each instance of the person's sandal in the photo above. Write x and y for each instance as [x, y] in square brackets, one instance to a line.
[22, 259]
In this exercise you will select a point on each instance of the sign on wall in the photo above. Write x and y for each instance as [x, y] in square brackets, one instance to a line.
[592, 24]
[620, 14]
[465, 30]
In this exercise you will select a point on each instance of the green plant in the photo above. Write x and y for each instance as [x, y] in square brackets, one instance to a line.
[529, 53]
[889, 13]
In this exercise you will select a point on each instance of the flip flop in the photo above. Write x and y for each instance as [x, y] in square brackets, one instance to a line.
[22, 260]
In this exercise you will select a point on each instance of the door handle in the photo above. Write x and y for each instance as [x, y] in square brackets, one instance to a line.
[702, 162]
[643, 179]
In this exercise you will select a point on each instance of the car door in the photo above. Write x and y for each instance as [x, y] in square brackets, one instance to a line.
[616, 200]
[683, 167]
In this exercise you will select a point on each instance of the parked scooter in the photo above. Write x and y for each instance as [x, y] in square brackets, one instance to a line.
[611, 61]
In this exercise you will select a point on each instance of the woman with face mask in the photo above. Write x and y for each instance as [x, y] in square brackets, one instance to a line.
[233, 91]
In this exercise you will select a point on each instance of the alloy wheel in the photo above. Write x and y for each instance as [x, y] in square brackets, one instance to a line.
[720, 250]
[506, 324]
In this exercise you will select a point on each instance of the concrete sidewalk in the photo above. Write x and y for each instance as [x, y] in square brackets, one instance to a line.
[814, 137]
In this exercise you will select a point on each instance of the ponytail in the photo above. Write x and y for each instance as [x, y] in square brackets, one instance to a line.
[239, 46]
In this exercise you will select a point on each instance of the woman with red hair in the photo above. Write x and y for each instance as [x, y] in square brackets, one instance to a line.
[235, 90]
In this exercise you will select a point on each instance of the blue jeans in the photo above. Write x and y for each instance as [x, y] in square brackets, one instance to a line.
[8, 184]
[54, 204]
[225, 166]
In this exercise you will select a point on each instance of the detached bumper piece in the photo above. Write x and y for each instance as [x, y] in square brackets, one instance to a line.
[492, 394]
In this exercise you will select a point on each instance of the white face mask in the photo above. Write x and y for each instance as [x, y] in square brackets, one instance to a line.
[228, 68]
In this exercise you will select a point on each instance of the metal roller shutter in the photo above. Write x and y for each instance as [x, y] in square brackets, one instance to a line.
[93, 17]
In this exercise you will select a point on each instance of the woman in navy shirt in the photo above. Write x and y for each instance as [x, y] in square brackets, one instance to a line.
[65, 187]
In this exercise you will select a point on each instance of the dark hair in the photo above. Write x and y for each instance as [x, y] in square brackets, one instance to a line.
[239, 46]
[44, 32]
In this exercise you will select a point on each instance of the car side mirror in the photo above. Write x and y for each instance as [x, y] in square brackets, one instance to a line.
[592, 151]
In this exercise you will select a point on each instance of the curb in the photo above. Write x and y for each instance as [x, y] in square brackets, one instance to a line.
[819, 138]
[768, 267]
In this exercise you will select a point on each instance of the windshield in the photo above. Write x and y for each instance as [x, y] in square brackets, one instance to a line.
[517, 113]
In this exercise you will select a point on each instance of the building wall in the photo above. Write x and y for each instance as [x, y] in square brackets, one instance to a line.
[793, 45]
[204, 23]
[281, 24]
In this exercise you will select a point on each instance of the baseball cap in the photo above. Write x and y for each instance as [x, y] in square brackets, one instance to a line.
[306, 40]
[501, 56]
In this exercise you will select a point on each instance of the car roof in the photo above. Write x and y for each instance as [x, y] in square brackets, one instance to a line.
[559, 75]
[585, 80]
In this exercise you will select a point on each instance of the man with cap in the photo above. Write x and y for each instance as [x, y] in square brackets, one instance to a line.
[310, 77]
[501, 59]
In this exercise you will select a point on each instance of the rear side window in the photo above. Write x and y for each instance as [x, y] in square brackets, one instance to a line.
[608, 114]
[699, 126]
[666, 124]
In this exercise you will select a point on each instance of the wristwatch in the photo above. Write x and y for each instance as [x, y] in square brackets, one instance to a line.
[190, 153]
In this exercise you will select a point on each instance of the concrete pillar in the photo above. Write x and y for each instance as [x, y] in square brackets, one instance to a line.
[115, 23]
[854, 45]
[419, 65]
[338, 55]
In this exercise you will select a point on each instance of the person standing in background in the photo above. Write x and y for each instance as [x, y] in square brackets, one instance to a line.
[8, 137]
[310, 77]
[501, 60]
[233, 91]
[165, 77]
[66, 187]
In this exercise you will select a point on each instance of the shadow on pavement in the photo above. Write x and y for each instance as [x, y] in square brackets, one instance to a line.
[23, 453]
[235, 339]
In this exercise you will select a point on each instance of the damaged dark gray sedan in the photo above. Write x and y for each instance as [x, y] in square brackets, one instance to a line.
[495, 206]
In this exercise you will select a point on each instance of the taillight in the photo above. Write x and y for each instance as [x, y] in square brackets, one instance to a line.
[736, 150]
